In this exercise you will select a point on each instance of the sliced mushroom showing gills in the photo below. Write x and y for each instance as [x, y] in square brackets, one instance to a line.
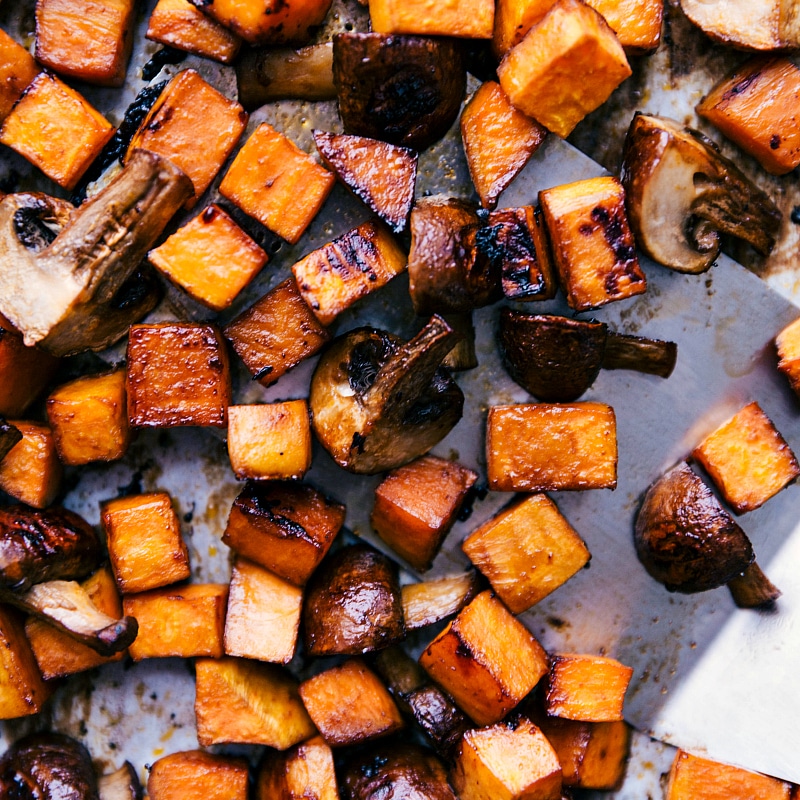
[378, 402]
[681, 194]
[686, 540]
[557, 359]
[64, 282]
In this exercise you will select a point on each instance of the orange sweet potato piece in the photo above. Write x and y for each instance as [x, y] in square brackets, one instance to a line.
[31, 472]
[637, 23]
[195, 775]
[473, 19]
[498, 141]
[303, 772]
[513, 19]
[787, 344]
[485, 659]
[416, 505]
[17, 69]
[273, 180]
[89, 40]
[758, 107]
[56, 130]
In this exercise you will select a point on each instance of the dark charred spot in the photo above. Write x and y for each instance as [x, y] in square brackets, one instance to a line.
[262, 373]
[210, 214]
[358, 442]
[586, 229]
[463, 650]
[34, 226]
[161, 120]
[136, 290]
[167, 55]
[741, 86]
[774, 141]
[406, 95]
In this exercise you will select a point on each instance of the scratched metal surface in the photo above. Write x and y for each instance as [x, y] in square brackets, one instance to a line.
[723, 323]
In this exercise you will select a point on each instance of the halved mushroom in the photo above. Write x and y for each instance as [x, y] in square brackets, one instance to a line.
[378, 402]
[557, 359]
[681, 194]
[122, 784]
[63, 269]
[688, 542]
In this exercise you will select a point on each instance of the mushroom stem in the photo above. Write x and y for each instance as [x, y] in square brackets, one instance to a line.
[753, 589]
[653, 356]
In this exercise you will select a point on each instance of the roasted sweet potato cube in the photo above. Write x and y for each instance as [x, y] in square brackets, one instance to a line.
[268, 21]
[498, 141]
[637, 23]
[178, 374]
[353, 604]
[285, 527]
[587, 688]
[592, 243]
[22, 690]
[57, 653]
[485, 659]
[787, 344]
[248, 702]
[56, 130]
[178, 24]
[356, 264]
[194, 126]
[508, 761]
[195, 775]
[273, 180]
[429, 602]
[24, 371]
[276, 333]
[758, 107]
[17, 69]
[473, 19]
[417, 504]
[527, 551]
[383, 175]
[546, 447]
[349, 704]
[210, 257]
[89, 418]
[145, 544]
[302, 772]
[693, 777]
[593, 755]
[263, 614]
[567, 65]
[31, 471]
[89, 41]
[513, 19]
[270, 440]
[185, 621]
[747, 459]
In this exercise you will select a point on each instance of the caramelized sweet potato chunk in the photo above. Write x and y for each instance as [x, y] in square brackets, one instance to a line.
[637, 23]
[473, 19]
[787, 344]
[31, 472]
[196, 775]
[17, 69]
[513, 19]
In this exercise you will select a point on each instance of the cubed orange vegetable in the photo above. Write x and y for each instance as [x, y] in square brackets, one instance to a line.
[286, 527]
[513, 19]
[637, 23]
[248, 702]
[787, 344]
[56, 130]
[592, 243]
[485, 659]
[473, 19]
[507, 761]
[694, 777]
[276, 333]
[270, 441]
[498, 141]
[186, 621]
[31, 472]
[178, 24]
[178, 374]
[305, 771]
[89, 40]
[587, 688]
[273, 180]
[194, 126]
[17, 69]
[527, 551]
[57, 653]
[89, 418]
[263, 614]
[210, 257]
[416, 505]
[349, 704]
[195, 775]
[567, 65]
[145, 544]
[747, 459]
[545, 447]
[758, 107]
[356, 264]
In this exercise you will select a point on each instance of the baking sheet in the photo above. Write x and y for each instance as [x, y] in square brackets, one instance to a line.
[707, 676]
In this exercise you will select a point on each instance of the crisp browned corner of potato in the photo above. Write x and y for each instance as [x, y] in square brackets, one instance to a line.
[197, 775]
[31, 472]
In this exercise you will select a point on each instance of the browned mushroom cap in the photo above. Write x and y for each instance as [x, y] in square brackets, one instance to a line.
[378, 402]
[681, 193]
[405, 90]
[685, 539]
[47, 766]
[353, 604]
